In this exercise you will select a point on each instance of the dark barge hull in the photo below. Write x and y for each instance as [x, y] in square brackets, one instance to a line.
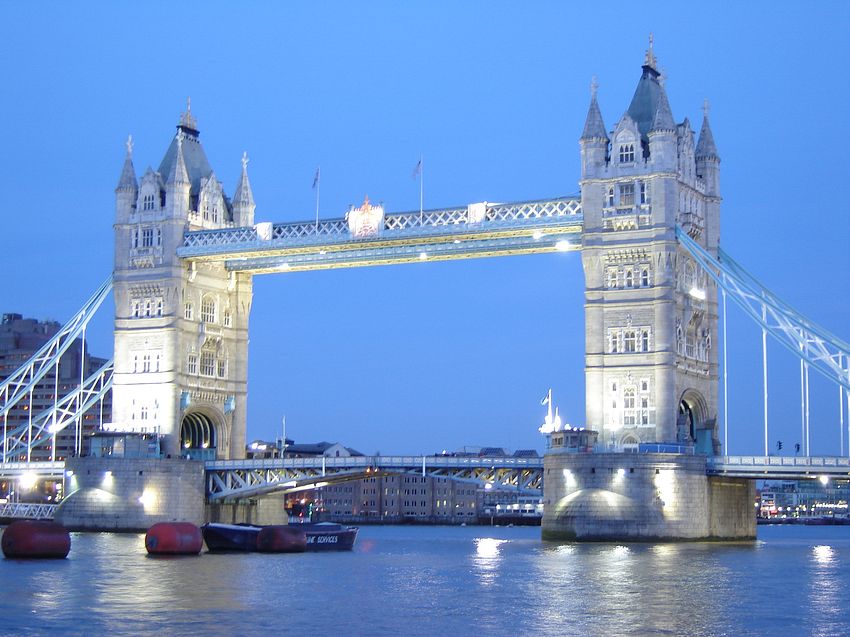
[322, 536]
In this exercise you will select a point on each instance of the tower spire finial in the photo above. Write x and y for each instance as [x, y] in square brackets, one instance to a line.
[594, 87]
[705, 108]
[649, 59]
[244, 160]
[187, 121]
[129, 144]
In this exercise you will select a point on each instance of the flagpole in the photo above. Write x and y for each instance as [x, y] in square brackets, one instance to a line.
[421, 186]
[318, 188]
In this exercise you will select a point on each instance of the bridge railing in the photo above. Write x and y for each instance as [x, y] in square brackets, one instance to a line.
[781, 461]
[27, 511]
[399, 223]
[377, 462]
[44, 469]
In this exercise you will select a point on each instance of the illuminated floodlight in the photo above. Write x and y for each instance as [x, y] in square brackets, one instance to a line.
[824, 480]
[284, 267]
[538, 235]
[562, 245]
[488, 486]
[456, 241]
[621, 472]
[423, 256]
[27, 480]
[697, 293]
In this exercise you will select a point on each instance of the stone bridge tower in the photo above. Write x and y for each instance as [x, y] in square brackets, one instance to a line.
[181, 330]
[651, 313]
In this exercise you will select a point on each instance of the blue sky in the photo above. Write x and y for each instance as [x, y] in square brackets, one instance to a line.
[430, 356]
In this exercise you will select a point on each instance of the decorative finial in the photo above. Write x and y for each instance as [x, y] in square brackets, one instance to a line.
[649, 60]
[366, 202]
[244, 160]
[189, 99]
[129, 145]
[186, 119]
[594, 87]
[705, 108]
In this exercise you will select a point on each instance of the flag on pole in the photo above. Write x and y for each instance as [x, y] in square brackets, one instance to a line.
[547, 399]
[417, 170]
[316, 178]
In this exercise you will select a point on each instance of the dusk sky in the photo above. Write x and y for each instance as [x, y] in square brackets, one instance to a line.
[429, 356]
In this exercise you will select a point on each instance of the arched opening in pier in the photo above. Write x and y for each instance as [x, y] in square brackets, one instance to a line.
[693, 420]
[198, 436]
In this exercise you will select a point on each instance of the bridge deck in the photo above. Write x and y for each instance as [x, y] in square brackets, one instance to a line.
[779, 467]
[478, 230]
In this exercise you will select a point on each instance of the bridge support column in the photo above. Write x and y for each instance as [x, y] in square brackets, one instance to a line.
[643, 497]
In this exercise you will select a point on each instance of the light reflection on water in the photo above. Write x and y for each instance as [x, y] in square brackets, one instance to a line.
[440, 580]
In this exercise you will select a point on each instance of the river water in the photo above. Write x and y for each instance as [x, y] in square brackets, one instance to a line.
[441, 581]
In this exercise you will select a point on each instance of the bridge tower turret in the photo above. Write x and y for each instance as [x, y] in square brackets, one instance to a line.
[651, 314]
[181, 330]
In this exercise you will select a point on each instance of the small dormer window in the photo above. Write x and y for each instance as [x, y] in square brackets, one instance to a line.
[627, 153]
[148, 202]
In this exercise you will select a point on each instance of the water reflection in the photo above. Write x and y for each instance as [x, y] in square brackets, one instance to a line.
[487, 558]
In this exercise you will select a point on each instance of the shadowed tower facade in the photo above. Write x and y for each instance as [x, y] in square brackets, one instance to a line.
[650, 311]
[181, 329]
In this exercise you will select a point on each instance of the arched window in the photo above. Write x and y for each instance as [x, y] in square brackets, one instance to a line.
[192, 363]
[644, 340]
[611, 197]
[187, 311]
[627, 153]
[148, 202]
[208, 309]
[629, 341]
[629, 406]
[630, 279]
[614, 343]
[208, 363]
[612, 278]
[227, 319]
[644, 277]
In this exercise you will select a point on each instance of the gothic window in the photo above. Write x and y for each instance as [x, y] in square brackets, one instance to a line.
[629, 406]
[148, 202]
[629, 341]
[146, 363]
[643, 192]
[644, 385]
[644, 277]
[136, 309]
[627, 153]
[227, 319]
[143, 412]
[206, 211]
[644, 340]
[222, 368]
[187, 311]
[192, 364]
[208, 363]
[159, 307]
[627, 194]
[158, 237]
[157, 359]
[135, 363]
[612, 278]
[611, 197]
[215, 213]
[630, 279]
[644, 410]
[208, 310]
[147, 308]
[613, 342]
[147, 237]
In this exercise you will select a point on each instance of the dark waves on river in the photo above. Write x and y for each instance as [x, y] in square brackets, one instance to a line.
[442, 581]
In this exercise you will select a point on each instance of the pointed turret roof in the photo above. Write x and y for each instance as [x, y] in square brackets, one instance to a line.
[243, 195]
[650, 107]
[178, 173]
[127, 181]
[594, 127]
[705, 146]
[194, 158]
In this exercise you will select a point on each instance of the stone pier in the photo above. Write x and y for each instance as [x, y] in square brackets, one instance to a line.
[642, 497]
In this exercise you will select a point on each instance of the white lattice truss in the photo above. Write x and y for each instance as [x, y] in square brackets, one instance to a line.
[478, 230]
[26, 511]
[816, 346]
[778, 467]
[66, 411]
[233, 479]
[43, 469]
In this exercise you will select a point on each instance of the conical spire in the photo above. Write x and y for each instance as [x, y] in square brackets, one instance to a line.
[188, 124]
[705, 146]
[594, 127]
[178, 174]
[127, 180]
[650, 108]
[663, 119]
[243, 196]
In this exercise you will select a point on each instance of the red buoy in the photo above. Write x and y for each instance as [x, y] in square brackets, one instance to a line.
[174, 538]
[281, 538]
[36, 538]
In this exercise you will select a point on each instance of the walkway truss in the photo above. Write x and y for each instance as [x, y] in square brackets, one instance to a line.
[232, 479]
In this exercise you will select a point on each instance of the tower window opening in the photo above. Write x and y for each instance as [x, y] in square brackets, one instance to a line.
[227, 319]
[644, 340]
[208, 310]
[208, 364]
[627, 194]
[629, 406]
[630, 279]
[147, 237]
[187, 311]
[192, 364]
[644, 277]
[629, 341]
[611, 197]
[627, 153]
[148, 202]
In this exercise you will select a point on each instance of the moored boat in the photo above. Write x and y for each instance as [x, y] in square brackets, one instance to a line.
[321, 536]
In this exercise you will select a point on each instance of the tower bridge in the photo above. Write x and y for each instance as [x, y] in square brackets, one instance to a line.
[646, 223]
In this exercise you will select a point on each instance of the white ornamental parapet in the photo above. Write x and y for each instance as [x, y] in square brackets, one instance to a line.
[365, 221]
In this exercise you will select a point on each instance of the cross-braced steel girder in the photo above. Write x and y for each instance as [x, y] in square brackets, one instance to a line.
[815, 345]
[444, 234]
[231, 479]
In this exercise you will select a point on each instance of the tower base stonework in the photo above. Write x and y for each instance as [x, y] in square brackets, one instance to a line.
[643, 497]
